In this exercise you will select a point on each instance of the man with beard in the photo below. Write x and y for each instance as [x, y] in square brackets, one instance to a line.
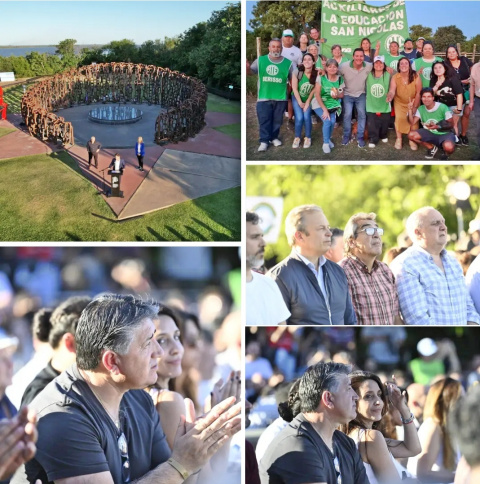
[265, 305]
[273, 71]
[370, 282]
[430, 283]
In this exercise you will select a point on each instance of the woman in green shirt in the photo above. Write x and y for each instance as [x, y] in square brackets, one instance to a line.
[378, 108]
[303, 81]
[326, 103]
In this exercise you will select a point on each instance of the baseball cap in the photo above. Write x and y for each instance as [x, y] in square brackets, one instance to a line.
[473, 226]
[427, 347]
[421, 38]
[287, 33]
[379, 58]
[409, 39]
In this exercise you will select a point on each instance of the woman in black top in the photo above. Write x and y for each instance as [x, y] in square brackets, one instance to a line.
[462, 66]
[368, 52]
[448, 90]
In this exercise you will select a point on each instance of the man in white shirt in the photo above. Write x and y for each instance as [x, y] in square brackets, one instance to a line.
[265, 304]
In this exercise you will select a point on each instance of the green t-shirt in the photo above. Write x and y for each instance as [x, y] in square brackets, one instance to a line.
[392, 60]
[427, 69]
[304, 86]
[424, 371]
[325, 91]
[437, 114]
[272, 78]
[377, 90]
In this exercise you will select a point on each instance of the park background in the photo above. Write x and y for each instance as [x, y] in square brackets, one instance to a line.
[443, 22]
[393, 192]
[201, 39]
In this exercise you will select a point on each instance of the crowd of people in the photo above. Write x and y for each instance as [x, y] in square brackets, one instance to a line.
[319, 283]
[428, 99]
[330, 421]
[119, 388]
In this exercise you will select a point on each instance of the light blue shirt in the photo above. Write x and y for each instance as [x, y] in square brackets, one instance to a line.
[318, 274]
[473, 282]
[429, 296]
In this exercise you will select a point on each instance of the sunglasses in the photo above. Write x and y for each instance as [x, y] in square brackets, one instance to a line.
[123, 447]
[372, 230]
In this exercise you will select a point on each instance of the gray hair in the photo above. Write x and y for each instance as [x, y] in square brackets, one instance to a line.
[275, 39]
[109, 323]
[331, 62]
[318, 379]
[463, 423]
[352, 226]
[295, 221]
[415, 220]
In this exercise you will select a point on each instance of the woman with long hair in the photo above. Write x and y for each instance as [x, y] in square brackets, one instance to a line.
[448, 90]
[368, 52]
[404, 87]
[438, 458]
[303, 82]
[377, 452]
[326, 102]
[462, 66]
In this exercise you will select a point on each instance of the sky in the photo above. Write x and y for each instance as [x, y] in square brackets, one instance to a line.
[100, 22]
[432, 13]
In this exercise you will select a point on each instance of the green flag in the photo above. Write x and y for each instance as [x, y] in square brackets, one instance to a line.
[347, 23]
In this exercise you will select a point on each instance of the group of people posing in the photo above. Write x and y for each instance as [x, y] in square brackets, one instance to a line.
[428, 98]
[423, 285]
[349, 427]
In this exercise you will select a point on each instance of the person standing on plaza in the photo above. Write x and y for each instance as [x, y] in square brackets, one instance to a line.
[93, 148]
[140, 152]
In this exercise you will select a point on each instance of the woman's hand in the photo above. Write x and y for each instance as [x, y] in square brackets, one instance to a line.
[397, 398]
[306, 106]
[325, 115]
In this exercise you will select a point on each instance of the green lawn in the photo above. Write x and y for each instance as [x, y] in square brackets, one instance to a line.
[48, 200]
[222, 105]
[233, 130]
[4, 131]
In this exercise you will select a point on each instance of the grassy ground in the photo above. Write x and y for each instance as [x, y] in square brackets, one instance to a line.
[351, 152]
[66, 207]
[233, 130]
[4, 131]
[222, 105]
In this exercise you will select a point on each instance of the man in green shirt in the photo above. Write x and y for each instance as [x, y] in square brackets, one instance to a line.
[273, 71]
[437, 123]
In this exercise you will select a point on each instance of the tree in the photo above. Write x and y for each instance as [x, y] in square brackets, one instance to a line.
[66, 49]
[445, 36]
[122, 51]
[418, 30]
[272, 17]
[468, 45]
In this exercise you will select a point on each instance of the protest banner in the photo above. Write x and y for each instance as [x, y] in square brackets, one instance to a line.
[347, 23]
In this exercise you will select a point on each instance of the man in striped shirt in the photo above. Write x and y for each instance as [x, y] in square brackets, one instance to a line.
[430, 282]
[370, 282]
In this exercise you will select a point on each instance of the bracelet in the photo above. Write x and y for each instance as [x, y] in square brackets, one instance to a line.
[178, 467]
[408, 420]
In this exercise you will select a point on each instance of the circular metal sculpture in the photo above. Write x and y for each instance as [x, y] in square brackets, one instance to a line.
[184, 99]
[115, 115]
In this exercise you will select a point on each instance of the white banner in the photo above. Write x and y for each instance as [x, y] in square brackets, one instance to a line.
[270, 210]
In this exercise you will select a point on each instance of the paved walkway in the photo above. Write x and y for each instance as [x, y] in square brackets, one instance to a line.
[220, 151]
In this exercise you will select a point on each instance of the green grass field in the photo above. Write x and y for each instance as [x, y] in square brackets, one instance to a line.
[233, 130]
[4, 131]
[37, 206]
[222, 105]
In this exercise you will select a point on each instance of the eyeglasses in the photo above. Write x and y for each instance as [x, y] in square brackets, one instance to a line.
[123, 447]
[372, 230]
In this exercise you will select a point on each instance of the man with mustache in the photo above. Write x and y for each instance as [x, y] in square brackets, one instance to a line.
[370, 282]
[265, 305]
[430, 283]
[273, 71]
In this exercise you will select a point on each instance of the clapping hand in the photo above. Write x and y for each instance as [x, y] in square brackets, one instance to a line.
[396, 397]
[222, 390]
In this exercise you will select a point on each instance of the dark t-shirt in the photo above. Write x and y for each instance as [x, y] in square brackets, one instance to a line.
[448, 91]
[463, 70]
[409, 55]
[77, 437]
[298, 455]
[39, 383]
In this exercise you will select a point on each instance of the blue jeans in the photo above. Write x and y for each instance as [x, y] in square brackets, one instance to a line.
[360, 103]
[302, 118]
[328, 124]
[270, 119]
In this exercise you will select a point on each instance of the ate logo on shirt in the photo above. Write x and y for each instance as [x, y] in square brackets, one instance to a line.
[394, 64]
[272, 70]
[305, 89]
[429, 122]
[377, 90]
[426, 73]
